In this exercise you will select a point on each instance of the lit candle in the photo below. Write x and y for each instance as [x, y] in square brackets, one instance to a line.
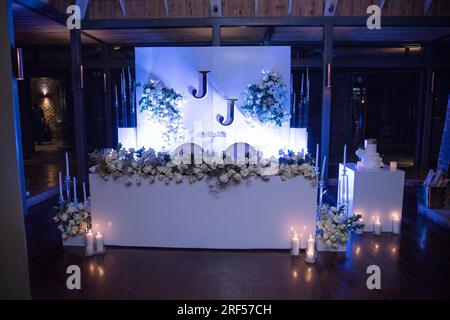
[393, 166]
[295, 245]
[377, 226]
[360, 231]
[345, 155]
[99, 242]
[67, 165]
[323, 167]
[303, 243]
[84, 192]
[317, 158]
[60, 187]
[396, 224]
[74, 189]
[310, 255]
[90, 242]
[311, 243]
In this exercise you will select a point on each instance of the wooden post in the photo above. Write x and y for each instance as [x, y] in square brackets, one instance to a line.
[326, 97]
[78, 105]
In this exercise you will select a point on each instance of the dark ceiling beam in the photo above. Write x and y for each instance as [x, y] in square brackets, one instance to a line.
[268, 35]
[43, 9]
[260, 22]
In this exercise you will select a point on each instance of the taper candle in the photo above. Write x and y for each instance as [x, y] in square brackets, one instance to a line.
[60, 187]
[317, 158]
[345, 155]
[84, 192]
[323, 167]
[67, 165]
[75, 189]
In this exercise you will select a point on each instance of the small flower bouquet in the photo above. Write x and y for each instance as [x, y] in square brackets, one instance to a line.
[73, 219]
[334, 228]
[266, 101]
[163, 105]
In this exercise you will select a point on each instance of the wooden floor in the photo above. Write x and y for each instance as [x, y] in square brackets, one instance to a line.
[415, 265]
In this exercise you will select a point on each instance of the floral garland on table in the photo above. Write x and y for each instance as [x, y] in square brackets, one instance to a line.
[266, 101]
[73, 219]
[333, 227]
[163, 105]
[147, 164]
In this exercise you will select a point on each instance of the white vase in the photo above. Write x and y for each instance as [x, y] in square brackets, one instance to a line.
[322, 246]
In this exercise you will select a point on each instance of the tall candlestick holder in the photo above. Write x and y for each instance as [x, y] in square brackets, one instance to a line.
[344, 192]
[67, 181]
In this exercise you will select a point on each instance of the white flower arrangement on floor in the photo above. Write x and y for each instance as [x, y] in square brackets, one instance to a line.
[147, 164]
[163, 104]
[334, 228]
[73, 219]
[266, 101]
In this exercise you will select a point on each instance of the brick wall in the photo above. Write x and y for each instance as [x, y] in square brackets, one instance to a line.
[439, 110]
[444, 154]
[340, 115]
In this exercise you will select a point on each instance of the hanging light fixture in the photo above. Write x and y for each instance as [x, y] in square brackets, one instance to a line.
[19, 64]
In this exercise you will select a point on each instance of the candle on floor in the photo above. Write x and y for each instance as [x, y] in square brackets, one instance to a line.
[90, 243]
[303, 243]
[295, 245]
[360, 231]
[396, 224]
[309, 255]
[99, 242]
[311, 243]
[61, 197]
[377, 226]
[393, 165]
[67, 165]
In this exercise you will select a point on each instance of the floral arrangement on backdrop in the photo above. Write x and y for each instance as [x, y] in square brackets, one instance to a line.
[267, 100]
[135, 165]
[162, 104]
[73, 218]
[334, 228]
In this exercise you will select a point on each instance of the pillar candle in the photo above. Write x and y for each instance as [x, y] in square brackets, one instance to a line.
[99, 242]
[377, 226]
[393, 166]
[311, 243]
[295, 245]
[310, 255]
[60, 187]
[90, 242]
[396, 224]
[67, 165]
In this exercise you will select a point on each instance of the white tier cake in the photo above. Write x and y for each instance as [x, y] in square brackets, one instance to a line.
[369, 157]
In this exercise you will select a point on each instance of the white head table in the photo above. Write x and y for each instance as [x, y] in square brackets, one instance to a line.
[254, 215]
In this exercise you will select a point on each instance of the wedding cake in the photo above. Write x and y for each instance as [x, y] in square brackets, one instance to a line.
[369, 157]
